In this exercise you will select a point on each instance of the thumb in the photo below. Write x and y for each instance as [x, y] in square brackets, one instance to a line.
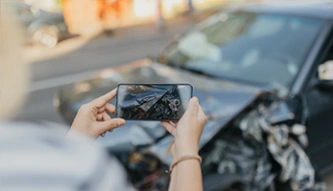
[110, 124]
[192, 106]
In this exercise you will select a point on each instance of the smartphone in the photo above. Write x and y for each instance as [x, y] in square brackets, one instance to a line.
[155, 102]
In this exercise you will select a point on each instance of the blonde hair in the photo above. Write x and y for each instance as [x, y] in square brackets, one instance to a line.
[13, 71]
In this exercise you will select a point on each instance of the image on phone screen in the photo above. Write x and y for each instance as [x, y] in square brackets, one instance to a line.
[152, 101]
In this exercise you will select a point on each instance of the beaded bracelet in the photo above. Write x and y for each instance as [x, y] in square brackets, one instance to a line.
[183, 158]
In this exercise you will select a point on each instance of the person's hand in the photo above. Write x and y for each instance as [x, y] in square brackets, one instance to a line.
[92, 118]
[188, 130]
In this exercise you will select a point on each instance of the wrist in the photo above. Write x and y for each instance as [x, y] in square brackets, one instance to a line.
[185, 150]
[186, 144]
[185, 158]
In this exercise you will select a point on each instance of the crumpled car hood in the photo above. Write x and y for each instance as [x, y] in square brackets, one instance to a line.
[220, 99]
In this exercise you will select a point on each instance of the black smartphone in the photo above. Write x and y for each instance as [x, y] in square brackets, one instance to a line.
[157, 102]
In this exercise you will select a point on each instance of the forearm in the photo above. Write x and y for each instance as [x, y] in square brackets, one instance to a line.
[173, 182]
[187, 176]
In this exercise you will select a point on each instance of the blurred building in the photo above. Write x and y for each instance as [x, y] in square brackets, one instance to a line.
[89, 16]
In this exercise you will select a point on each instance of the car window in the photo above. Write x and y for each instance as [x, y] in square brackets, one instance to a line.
[266, 49]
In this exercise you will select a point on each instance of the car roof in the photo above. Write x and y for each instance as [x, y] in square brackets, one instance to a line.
[317, 9]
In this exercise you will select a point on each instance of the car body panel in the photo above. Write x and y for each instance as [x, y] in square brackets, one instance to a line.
[320, 123]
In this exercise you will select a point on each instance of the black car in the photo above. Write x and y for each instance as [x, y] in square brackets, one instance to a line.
[255, 72]
[41, 27]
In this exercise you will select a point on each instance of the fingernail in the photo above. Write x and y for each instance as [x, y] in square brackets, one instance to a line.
[195, 100]
[121, 122]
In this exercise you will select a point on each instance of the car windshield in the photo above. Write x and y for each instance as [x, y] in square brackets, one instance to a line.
[264, 49]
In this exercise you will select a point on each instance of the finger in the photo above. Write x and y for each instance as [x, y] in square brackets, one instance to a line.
[170, 128]
[107, 107]
[110, 108]
[174, 123]
[111, 124]
[170, 148]
[103, 134]
[106, 116]
[99, 117]
[200, 111]
[201, 115]
[101, 101]
[101, 110]
[192, 108]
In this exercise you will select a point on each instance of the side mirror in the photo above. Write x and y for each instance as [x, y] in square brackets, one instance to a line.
[325, 75]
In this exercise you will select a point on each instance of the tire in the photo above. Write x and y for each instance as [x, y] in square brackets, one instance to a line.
[46, 36]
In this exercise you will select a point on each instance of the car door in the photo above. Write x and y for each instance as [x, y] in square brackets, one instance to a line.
[318, 105]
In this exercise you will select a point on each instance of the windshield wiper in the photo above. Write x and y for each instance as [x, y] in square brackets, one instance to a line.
[196, 71]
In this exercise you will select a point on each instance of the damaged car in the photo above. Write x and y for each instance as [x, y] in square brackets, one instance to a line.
[264, 77]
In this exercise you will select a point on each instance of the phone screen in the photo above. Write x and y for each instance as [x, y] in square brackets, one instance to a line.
[153, 101]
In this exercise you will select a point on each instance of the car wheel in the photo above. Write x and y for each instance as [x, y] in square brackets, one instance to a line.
[46, 35]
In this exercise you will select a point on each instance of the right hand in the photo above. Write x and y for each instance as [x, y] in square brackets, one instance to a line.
[188, 130]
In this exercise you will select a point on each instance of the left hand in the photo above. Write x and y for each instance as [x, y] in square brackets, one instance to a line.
[92, 118]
